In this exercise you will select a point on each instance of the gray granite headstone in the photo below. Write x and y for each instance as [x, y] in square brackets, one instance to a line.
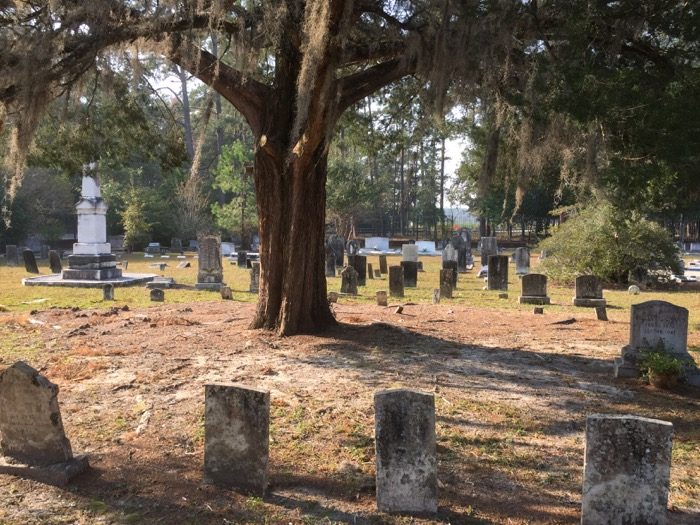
[489, 246]
[157, 295]
[11, 255]
[348, 280]
[534, 289]
[381, 298]
[589, 291]
[498, 272]
[330, 264]
[627, 468]
[359, 262]
[383, 268]
[410, 273]
[108, 292]
[29, 261]
[446, 279]
[236, 437]
[55, 262]
[396, 281]
[405, 451]
[242, 259]
[33, 443]
[210, 274]
[226, 293]
[521, 258]
[254, 277]
[409, 252]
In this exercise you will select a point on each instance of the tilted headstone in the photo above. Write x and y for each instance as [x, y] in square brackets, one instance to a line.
[589, 291]
[226, 293]
[183, 264]
[410, 273]
[657, 325]
[489, 246]
[330, 264]
[446, 280]
[242, 259]
[409, 252]
[157, 295]
[396, 281]
[55, 262]
[33, 441]
[383, 267]
[451, 265]
[626, 471]
[370, 271]
[405, 451]
[29, 261]
[498, 272]
[381, 298]
[254, 277]
[534, 289]
[11, 255]
[210, 274]
[359, 262]
[521, 257]
[108, 292]
[236, 437]
[348, 280]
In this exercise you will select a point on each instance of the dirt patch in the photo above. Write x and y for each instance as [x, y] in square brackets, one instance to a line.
[512, 393]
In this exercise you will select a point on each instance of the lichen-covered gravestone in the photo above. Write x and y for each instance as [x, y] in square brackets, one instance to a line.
[396, 281]
[446, 277]
[254, 277]
[236, 437]
[534, 289]
[451, 265]
[410, 273]
[589, 291]
[359, 262]
[657, 325]
[498, 272]
[33, 443]
[157, 295]
[55, 262]
[210, 274]
[521, 258]
[348, 281]
[381, 298]
[29, 261]
[405, 451]
[626, 470]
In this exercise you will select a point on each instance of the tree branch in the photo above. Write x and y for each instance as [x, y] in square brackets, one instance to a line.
[357, 86]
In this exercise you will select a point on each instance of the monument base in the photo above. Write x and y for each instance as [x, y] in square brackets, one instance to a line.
[215, 287]
[100, 267]
[89, 248]
[59, 474]
[589, 303]
[533, 299]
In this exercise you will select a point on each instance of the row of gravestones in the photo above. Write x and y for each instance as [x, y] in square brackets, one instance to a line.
[626, 468]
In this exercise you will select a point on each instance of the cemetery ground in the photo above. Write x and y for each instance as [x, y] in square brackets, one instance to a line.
[512, 392]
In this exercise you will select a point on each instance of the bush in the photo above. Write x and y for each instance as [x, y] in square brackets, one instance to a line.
[612, 244]
[659, 362]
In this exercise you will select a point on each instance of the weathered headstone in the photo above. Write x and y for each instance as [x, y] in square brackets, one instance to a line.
[210, 274]
[176, 245]
[405, 451]
[236, 437]
[157, 295]
[29, 261]
[657, 325]
[370, 271]
[11, 255]
[226, 293]
[33, 441]
[451, 265]
[383, 268]
[409, 252]
[489, 246]
[534, 289]
[348, 280]
[359, 262]
[254, 277]
[436, 295]
[55, 262]
[108, 292]
[498, 272]
[449, 253]
[377, 274]
[589, 291]
[183, 264]
[332, 297]
[627, 468]
[330, 264]
[242, 259]
[396, 281]
[446, 280]
[410, 273]
[601, 313]
[521, 257]
[381, 298]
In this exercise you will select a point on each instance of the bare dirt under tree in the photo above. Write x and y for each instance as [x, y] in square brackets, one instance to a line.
[512, 393]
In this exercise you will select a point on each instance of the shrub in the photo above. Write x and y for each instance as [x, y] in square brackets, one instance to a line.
[659, 362]
[611, 244]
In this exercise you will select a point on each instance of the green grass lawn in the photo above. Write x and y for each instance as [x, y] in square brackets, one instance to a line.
[15, 297]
